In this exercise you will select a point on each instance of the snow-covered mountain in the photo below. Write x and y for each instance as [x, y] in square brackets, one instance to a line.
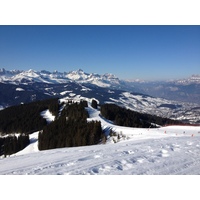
[195, 78]
[79, 76]
[18, 87]
[166, 150]
[23, 93]
[105, 80]
[184, 90]
[188, 81]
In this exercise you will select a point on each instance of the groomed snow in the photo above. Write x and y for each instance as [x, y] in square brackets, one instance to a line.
[167, 150]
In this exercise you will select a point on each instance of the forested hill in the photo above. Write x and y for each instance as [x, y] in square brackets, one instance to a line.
[125, 117]
[70, 127]
[23, 120]
[26, 118]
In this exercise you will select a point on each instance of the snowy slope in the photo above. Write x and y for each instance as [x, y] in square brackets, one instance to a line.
[167, 155]
[166, 150]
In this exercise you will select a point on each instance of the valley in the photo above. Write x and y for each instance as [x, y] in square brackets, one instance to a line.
[17, 87]
[153, 150]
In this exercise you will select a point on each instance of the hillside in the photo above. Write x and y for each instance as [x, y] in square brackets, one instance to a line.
[64, 123]
[92, 126]
[178, 101]
[167, 150]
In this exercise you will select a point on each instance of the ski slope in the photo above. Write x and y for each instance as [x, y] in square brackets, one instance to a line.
[134, 151]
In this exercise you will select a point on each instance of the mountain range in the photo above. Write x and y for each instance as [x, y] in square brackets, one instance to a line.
[32, 76]
[184, 90]
[177, 99]
[169, 149]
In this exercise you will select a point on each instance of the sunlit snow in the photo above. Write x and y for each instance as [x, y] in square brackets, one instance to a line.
[19, 89]
[166, 150]
[46, 114]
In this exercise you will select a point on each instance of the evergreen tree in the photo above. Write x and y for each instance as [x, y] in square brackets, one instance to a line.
[94, 104]
[11, 144]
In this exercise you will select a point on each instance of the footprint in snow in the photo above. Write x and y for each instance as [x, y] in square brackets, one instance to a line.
[140, 160]
[89, 158]
[129, 152]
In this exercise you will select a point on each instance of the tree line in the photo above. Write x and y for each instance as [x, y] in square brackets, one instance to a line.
[12, 144]
[26, 118]
[125, 117]
[23, 119]
[71, 129]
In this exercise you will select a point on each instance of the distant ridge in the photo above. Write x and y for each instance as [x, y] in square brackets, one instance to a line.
[44, 76]
[22, 86]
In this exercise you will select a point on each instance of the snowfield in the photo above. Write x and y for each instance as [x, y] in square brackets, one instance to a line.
[133, 151]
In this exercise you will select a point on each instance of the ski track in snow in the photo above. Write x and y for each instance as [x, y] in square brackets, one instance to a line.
[167, 150]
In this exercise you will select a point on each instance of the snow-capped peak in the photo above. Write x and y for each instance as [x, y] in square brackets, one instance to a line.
[77, 75]
[190, 80]
[44, 76]
[2, 71]
[5, 72]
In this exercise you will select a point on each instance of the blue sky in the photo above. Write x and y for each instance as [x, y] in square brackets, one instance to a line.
[129, 52]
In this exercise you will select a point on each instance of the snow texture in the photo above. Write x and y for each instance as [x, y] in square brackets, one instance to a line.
[46, 114]
[133, 151]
